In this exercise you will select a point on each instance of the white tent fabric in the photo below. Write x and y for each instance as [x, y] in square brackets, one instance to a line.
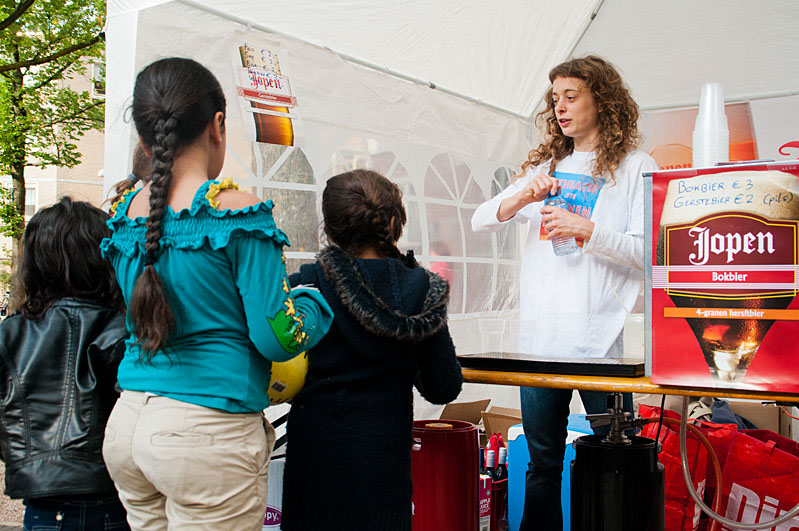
[500, 52]
[438, 96]
[667, 50]
[491, 52]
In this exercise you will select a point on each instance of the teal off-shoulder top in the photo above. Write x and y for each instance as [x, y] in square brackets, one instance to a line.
[225, 276]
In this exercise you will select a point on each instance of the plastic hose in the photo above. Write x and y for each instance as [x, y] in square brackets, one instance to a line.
[698, 499]
[713, 459]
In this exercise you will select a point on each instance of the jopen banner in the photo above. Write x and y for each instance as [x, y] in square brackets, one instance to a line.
[724, 277]
[265, 94]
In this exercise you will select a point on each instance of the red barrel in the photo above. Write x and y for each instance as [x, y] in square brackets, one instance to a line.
[444, 470]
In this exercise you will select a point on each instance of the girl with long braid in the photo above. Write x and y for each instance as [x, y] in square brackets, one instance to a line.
[353, 418]
[202, 271]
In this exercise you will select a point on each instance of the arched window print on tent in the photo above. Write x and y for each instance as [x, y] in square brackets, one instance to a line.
[289, 181]
[509, 252]
[457, 254]
[482, 268]
[366, 153]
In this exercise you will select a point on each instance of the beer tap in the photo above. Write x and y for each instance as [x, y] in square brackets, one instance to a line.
[618, 419]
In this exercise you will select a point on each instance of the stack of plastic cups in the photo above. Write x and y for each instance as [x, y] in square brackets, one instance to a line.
[711, 141]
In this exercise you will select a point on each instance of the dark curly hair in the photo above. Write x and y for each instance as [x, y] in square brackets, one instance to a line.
[363, 209]
[61, 258]
[618, 118]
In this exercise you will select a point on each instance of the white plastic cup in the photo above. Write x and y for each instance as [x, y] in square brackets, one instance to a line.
[711, 136]
[710, 147]
[711, 108]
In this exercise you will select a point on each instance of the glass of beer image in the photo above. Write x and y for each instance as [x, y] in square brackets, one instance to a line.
[728, 242]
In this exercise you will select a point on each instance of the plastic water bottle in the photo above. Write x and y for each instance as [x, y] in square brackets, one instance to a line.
[562, 245]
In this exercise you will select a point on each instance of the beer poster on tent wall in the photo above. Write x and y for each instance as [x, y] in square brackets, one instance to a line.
[724, 277]
[265, 94]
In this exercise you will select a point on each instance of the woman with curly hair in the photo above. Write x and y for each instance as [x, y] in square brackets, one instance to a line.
[588, 157]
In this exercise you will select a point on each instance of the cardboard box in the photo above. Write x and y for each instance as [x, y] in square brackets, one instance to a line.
[764, 416]
[500, 419]
[465, 411]
[468, 412]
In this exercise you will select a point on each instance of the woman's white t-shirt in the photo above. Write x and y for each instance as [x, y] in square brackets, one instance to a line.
[570, 298]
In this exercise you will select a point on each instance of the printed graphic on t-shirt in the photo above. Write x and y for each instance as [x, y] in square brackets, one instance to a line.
[580, 192]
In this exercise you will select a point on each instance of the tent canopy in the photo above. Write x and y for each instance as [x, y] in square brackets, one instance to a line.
[500, 53]
[448, 153]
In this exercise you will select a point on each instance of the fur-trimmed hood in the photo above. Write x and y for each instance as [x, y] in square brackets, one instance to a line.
[383, 318]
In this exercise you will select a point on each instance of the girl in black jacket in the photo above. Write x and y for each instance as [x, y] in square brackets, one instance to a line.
[58, 366]
[348, 461]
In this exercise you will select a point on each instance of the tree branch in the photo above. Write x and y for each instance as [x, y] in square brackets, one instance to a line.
[53, 57]
[16, 14]
[47, 81]
[74, 115]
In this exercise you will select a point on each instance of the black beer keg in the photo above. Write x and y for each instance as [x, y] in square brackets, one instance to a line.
[616, 487]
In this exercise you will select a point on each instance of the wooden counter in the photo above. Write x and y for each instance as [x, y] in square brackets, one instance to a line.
[606, 383]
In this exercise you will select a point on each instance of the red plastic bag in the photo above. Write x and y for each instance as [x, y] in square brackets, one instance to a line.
[761, 478]
[682, 513]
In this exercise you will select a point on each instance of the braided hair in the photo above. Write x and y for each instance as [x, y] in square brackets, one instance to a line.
[174, 100]
[362, 209]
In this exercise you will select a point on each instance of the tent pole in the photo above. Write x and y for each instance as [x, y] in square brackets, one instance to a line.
[351, 59]
[736, 99]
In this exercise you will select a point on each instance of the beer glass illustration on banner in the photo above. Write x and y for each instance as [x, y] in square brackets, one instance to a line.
[726, 256]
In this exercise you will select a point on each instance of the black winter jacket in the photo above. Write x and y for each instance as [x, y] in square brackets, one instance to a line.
[348, 460]
[57, 389]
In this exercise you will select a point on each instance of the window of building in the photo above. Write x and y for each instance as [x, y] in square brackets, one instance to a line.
[31, 200]
[98, 80]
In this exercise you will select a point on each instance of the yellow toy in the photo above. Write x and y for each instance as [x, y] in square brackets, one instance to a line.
[287, 379]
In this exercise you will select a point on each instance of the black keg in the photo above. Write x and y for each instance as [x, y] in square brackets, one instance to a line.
[616, 487]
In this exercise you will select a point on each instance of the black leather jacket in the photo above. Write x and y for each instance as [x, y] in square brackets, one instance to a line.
[57, 389]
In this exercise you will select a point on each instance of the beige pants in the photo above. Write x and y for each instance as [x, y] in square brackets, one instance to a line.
[180, 466]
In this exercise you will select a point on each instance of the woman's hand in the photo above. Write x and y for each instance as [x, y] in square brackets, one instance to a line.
[559, 222]
[539, 187]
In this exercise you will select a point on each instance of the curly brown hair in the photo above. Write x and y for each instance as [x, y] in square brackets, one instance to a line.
[618, 118]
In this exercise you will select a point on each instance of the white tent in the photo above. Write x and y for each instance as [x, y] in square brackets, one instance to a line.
[499, 52]
[439, 96]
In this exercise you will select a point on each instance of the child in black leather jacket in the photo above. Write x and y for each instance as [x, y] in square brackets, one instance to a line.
[58, 362]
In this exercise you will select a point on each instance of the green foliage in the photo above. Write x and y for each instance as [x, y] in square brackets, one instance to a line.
[41, 117]
[11, 222]
[5, 278]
